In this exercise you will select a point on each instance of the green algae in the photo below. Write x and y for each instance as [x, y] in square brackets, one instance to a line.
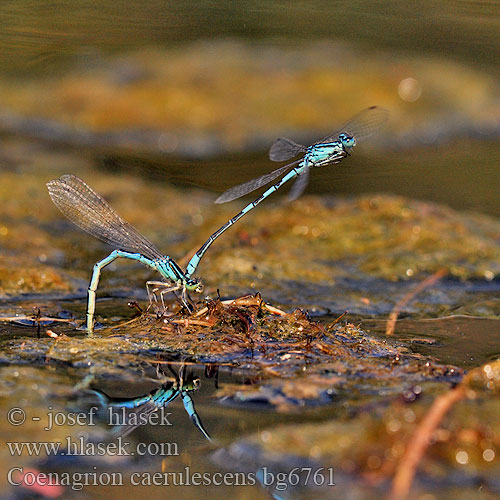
[314, 253]
[387, 237]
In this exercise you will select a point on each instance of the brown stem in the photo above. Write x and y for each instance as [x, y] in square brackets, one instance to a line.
[420, 441]
[427, 282]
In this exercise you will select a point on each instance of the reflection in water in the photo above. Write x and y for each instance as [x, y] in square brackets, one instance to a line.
[466, 341]
[270, 476]
[182, 384]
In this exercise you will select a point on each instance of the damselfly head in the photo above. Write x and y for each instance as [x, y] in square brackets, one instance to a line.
[194, 285]
[347, 140]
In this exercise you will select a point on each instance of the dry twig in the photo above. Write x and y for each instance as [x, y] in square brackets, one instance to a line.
[427, 282]
[420, 441]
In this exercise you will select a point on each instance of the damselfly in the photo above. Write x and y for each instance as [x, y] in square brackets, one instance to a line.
[330, 150]
[182, 385]
[85, 208]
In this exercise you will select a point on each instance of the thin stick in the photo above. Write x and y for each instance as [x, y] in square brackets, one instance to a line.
[271, 309]
[35, 321]
[427, 282]
[274, 310]
[125, 323]
[420, 441]
[339, 318]
[187, 322]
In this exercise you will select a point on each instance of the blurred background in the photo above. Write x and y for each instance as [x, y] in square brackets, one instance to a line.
[194, 93]
[161, 106]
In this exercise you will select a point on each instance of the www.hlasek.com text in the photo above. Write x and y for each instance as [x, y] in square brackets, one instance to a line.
[84, 448]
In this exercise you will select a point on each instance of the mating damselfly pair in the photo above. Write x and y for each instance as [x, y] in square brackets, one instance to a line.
[84, 207]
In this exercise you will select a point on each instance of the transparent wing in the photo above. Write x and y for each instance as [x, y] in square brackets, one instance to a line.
[283, 149]
[299, 185]
[131, 424]
[361, 126]
[247, 187]
[85, 208]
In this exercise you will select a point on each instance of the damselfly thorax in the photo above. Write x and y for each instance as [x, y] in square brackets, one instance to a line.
[320, 155]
